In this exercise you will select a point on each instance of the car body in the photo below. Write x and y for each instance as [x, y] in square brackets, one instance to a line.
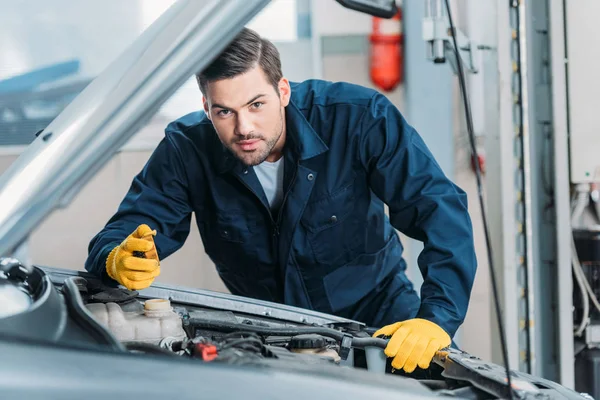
[59, 349]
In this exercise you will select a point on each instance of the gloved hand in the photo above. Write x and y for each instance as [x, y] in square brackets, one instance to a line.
[414, 342]
[134, 263]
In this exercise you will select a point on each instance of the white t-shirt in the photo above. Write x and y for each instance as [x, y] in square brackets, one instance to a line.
[270, 175]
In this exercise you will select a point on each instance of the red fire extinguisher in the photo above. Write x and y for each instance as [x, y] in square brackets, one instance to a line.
[387, 70]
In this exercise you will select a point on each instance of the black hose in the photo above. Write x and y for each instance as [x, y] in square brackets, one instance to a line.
[265, 330]
[148, 349]
[361, 343]
[221, 326]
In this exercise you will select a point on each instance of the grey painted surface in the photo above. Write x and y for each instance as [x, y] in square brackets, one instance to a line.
[543, 244]
[428, 102]
[561, 194]
[583, 52]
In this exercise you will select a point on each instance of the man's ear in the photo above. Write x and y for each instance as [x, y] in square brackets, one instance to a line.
[285, 91]
[206, 109]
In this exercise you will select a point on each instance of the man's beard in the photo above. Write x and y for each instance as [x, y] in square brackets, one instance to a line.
[251, 159]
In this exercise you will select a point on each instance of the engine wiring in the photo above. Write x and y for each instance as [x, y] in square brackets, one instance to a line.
[247, 341]
[237, 347]
[579, 203]
[469, 120]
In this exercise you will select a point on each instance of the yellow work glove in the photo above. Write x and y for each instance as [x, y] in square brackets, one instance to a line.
[414, 342]
[134, 263]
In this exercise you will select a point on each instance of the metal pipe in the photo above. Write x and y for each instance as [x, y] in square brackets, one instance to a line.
[528, 300]
[435, 16]
[564, 330]
[183, 41]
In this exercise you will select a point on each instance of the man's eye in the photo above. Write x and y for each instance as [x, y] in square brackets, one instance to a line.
[223, 113]
[258, 104]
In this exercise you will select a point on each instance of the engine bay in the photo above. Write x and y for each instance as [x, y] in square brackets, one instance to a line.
[75, 310]
[155, 325]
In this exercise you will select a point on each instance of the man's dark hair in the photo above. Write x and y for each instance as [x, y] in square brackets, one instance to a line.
[246, 51]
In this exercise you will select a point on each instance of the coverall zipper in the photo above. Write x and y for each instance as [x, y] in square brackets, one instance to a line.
[275, 224]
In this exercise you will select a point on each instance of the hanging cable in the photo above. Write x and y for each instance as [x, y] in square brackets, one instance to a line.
[577, 206]
[469, 121]
[581, 283]
[580, 202]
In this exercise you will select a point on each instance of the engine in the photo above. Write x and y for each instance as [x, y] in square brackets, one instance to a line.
[154, 326]
[88, 313]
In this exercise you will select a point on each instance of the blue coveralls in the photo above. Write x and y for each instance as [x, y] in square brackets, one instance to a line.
[330, 247]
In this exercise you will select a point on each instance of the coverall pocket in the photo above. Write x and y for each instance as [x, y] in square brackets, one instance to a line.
[332, 227]
[229, 239]
[347, 284]
[233, 228]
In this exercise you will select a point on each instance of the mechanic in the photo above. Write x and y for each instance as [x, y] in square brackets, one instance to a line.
[288, 183]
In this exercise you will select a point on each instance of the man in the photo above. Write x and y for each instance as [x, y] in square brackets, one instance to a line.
[288, 184]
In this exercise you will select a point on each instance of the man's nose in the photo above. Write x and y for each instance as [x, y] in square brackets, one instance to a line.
[243, 126]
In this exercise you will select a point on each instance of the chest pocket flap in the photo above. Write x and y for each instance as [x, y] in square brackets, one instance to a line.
[232, 227]
[227, 237]
[329, 211]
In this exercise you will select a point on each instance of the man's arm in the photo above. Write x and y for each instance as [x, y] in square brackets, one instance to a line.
[157, 197]
[425, 205]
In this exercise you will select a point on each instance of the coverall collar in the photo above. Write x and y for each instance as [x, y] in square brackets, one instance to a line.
[301, 138]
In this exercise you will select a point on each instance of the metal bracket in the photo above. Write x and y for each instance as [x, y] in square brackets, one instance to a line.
[438, 35]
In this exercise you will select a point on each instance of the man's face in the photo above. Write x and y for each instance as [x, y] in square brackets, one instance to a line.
[249, 115]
